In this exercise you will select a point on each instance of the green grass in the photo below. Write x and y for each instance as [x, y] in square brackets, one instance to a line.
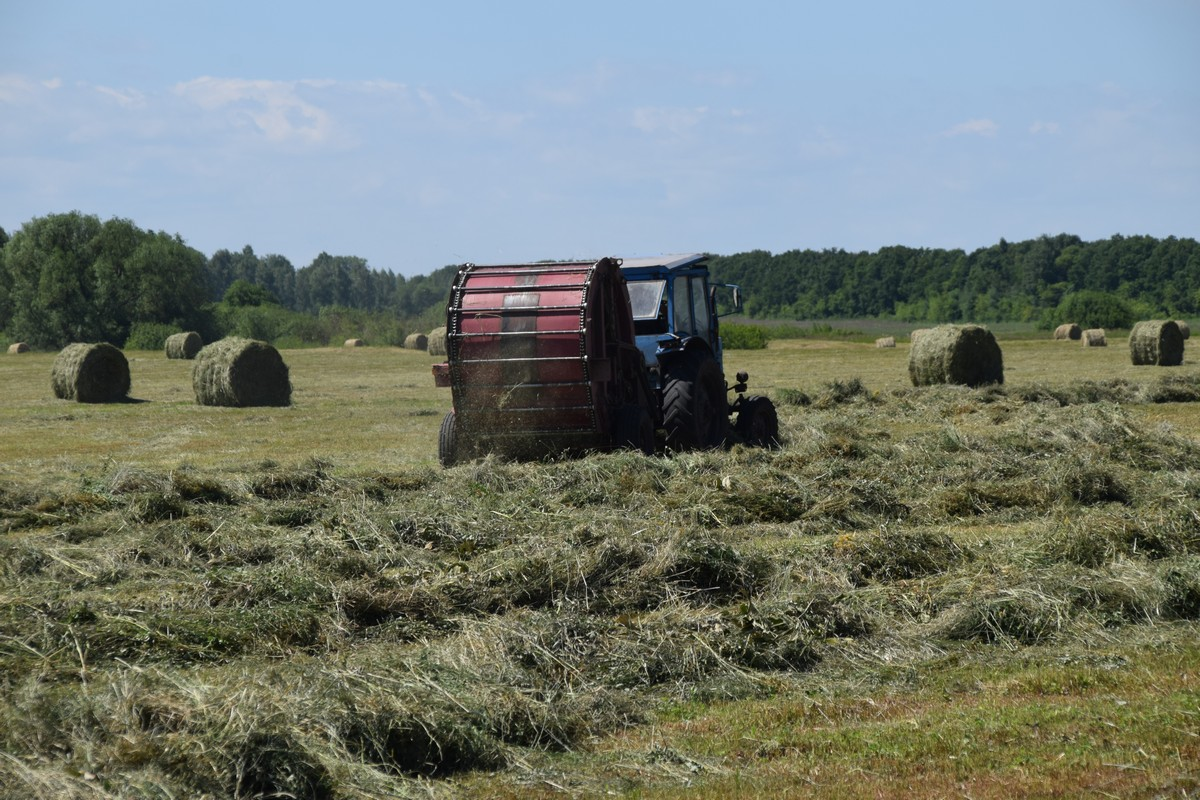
[924, 592]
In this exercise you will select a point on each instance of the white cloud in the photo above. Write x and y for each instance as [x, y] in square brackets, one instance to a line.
[130, 98]
[975, 127]
[275, 108]
[1043, 127]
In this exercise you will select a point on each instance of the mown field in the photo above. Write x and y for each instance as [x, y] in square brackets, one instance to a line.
[934, 592]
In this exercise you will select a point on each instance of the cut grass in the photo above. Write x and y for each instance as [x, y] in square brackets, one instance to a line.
[923, 592]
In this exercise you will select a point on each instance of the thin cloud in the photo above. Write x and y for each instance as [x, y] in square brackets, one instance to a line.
[973, 127]
[1039, 127]
[676, 121]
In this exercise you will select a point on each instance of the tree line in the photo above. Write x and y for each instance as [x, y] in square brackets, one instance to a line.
[72, 277]
[1051, 279]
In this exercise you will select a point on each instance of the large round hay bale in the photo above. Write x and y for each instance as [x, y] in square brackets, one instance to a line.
[18, 347]
[885, 341]
[183, 345]
[1069, 331]
[354, 343]
[1184, 329]
[916, 334]
[241, 372]
[416, 341]
[961, 354]
[437, 342]
[1156, 342]
[90, 373]
[1094, 337]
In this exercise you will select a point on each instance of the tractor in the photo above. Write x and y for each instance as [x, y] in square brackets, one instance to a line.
[577, 356]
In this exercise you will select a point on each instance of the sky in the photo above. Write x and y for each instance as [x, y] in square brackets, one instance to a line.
[421, 134]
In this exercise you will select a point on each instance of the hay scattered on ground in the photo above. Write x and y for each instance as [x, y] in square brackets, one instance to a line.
[354, 343]
[241, 372]
[960, 354]
[416, 341]
[183, 345]
[90, 373]
[1156, 342]
[437, 342]
[1069, 331]
[885, 341]
[1094, 337]
[18, 347]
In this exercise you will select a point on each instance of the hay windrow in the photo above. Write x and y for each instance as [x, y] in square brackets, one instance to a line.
[183, 345]
[958, 354]
[90, 373]
[241, 372]
[1156, 342]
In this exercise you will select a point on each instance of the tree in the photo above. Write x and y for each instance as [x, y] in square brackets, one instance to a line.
[241, 293]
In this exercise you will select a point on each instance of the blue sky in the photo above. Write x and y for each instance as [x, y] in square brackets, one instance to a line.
[420, 134]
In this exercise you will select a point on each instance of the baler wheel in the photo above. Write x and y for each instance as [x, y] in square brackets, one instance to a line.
[695, 411]
[635, 429]
[448, 444]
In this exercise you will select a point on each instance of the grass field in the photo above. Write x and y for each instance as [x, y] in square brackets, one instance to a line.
[935, 592]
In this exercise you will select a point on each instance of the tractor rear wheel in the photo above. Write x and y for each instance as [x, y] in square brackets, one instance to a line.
[757, 422]
[695, 411]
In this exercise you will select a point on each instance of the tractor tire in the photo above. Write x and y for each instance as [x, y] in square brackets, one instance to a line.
[757, 423]
[635, 429]
[695, 410]
[448, 446]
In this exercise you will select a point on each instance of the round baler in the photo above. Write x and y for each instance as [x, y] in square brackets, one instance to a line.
[541, 358]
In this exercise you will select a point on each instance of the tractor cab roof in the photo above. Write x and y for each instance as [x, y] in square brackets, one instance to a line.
[666, 262]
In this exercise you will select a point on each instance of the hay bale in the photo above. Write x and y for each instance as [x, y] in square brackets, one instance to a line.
[18, 347]
[885, 341]
[1156, 342]
[961, 354]
[90, 373]
[416, 341]
[1184, 328]
[437, 342]
[912, 337]
[241, 372]
[1069, 331]
[1094, 337]
[354, 343]
[183, 345]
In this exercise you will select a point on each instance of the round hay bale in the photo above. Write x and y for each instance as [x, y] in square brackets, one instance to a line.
[241, 372]
[1094, 337]
[90, 373]
[912, 337]
[183, 345]
[1184, 328]
[960, 354]
[416, 341]
[18, 347]
[1156, 342]
[1069, 331]
[437, 342]
[354, 343]
[885, 341]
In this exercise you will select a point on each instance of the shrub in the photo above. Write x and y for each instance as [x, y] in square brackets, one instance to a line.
[735, 336]
[149, 335]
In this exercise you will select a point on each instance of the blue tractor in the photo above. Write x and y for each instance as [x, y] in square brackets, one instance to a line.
[677, 330]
